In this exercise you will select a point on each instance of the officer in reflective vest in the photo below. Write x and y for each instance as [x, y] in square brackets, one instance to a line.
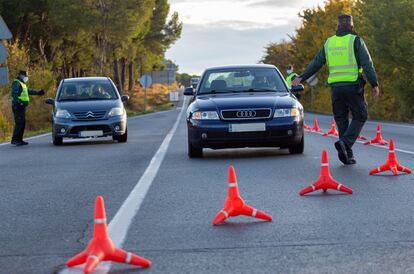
[20, 100]
[291, 75]
[346, 56]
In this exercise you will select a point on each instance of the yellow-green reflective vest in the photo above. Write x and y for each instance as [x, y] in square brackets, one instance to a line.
[289, 79]
[24, 96]
[341, 60]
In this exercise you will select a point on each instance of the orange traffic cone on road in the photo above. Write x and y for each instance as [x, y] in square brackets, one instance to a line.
[316, 126]
[362, 137]
[101, 248]
[378, 138]
[325, 180]
[391, 164]
[332, 131]
[235, 205]
[305, 126]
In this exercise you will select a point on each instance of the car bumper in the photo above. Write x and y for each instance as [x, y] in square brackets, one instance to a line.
[67, 128]
[280, 132]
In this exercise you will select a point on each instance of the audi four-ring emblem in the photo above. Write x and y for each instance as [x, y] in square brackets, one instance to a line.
[246, 114]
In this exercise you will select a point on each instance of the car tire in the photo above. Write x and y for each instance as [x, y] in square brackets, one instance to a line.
[298, 148]
[194, 152]
[121, 138]
[57, 141]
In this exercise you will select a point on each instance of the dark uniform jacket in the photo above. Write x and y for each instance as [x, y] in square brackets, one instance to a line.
[362, 56]
[16, 91]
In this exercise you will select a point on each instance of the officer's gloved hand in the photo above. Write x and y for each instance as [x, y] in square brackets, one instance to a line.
[41, 92]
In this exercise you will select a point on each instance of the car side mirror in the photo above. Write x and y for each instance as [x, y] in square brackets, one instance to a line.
[124, 98]
[50, 101]
[296, 89]
[189, 91]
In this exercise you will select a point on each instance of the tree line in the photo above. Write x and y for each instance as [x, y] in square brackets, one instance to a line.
[388, 30]
[93, 37]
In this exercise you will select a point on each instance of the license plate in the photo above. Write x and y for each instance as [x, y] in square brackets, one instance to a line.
[91, 133]
[247, 127]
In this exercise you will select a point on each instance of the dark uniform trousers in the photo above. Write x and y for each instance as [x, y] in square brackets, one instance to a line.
[347, 99]
[19, 113]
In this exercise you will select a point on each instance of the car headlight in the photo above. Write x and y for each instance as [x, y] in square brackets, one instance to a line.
[205, 115]
[116, 112]
[63, 113]
[286, 112]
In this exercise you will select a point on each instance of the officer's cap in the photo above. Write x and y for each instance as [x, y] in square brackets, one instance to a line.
[23, 73]
[345, 19]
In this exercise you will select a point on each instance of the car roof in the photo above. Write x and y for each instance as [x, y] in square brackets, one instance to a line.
[242, 67]
[84, 79]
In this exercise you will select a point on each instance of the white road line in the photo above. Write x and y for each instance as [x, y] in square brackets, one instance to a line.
[373, 145]
[119, 225]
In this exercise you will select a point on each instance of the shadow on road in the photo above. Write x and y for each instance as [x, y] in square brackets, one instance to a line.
[228, 224]
[325, 195]
[88, 142]
[128, 270]
[245, 153]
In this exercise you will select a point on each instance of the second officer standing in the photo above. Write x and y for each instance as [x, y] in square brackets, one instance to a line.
[347, 56]
[20, 101]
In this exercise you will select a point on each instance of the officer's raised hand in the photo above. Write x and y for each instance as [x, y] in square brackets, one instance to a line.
[296, 81]
[41, 92]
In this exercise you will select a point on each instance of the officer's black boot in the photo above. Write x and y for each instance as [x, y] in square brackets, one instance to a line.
[351, 158]
[342, 153]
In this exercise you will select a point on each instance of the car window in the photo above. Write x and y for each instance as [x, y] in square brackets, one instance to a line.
[242, 80]
[84, 91]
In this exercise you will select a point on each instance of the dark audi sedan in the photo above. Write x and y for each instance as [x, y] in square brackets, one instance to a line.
[244, 106]
[88, 107]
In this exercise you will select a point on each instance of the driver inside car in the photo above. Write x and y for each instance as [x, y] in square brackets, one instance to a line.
[260, 82]
[100, 92]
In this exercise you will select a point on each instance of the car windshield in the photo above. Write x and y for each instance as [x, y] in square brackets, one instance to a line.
[242, 80]
[87, 90]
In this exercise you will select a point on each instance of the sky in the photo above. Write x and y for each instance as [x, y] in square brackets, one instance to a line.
[223, 32]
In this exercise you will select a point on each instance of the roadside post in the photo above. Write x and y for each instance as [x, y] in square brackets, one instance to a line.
[146, 82]
[5, 34]
[174, 96]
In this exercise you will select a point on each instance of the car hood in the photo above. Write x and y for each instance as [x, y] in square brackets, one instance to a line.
[244, 101]
[97, 105]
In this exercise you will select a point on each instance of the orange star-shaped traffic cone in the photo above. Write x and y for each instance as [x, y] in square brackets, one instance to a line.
[101, 248]
[306, 127]
[332, 131]
[391, 164]
[378, 138]
[316, 126]
[325, 180]
[235, 205]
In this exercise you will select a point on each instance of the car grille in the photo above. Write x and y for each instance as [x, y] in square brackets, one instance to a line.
[247, 135]
[246, 114]
[90, 115]
[104, 128]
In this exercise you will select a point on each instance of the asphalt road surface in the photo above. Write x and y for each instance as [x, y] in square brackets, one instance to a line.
[47, 202]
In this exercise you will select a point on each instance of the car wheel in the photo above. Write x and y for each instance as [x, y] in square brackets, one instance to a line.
[298, 148]
[194, 152]
[121, 138]
[57, 141]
